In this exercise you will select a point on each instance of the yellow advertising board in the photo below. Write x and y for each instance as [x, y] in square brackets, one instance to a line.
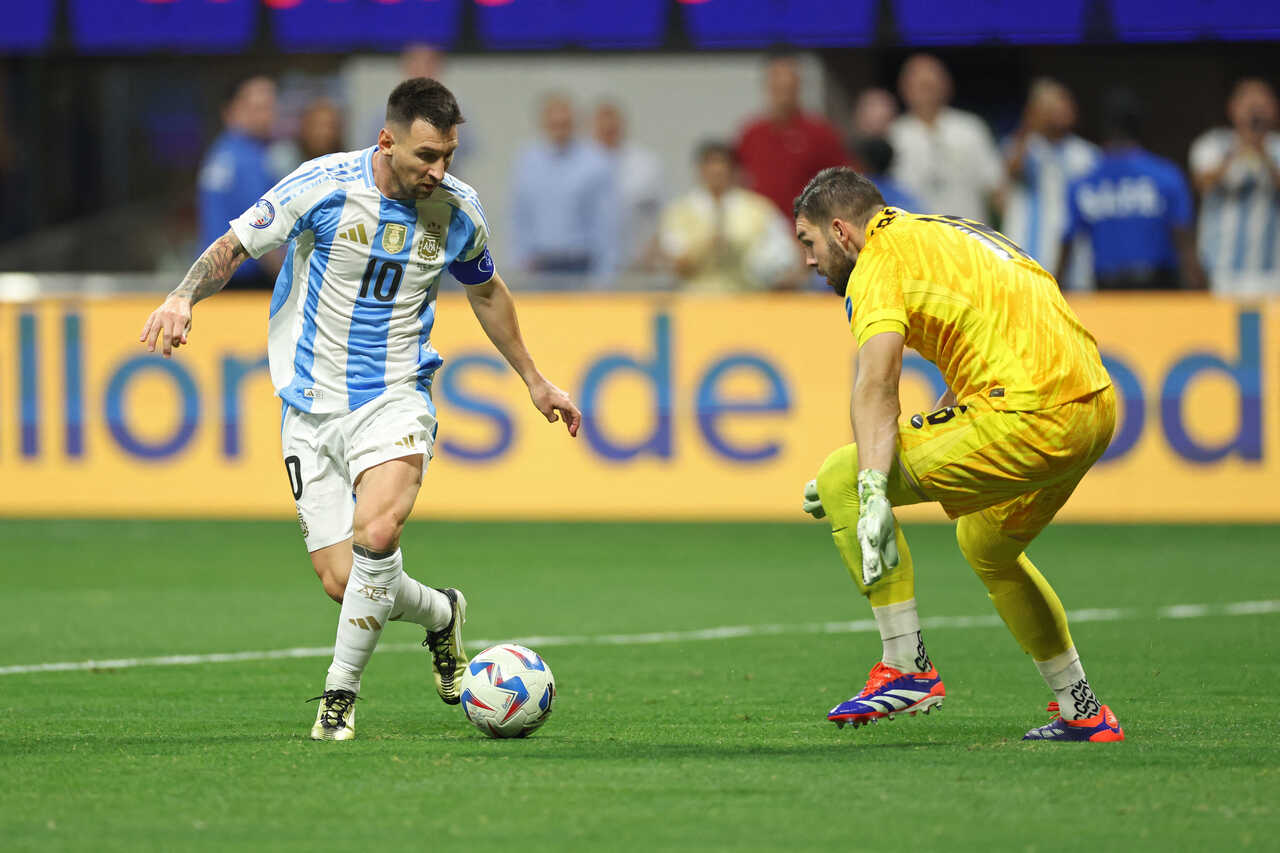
[697, 407]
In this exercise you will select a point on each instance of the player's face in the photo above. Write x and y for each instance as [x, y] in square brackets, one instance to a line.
[822, 252]
[419, 156]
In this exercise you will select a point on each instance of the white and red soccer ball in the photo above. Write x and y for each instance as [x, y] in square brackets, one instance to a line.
[507, 691]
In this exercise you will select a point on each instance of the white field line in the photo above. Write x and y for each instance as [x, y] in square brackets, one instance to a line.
[859, 626]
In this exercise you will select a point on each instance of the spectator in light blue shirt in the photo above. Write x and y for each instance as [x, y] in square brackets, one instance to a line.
[236, 172]
[565, 209]
[1136, 210]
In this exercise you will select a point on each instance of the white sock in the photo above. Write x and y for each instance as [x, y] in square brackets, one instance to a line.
[1065, 676]
[366, 607]
[420, 604]
[899, 626]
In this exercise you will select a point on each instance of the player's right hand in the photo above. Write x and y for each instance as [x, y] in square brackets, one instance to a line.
[812, 503]
[168, 325]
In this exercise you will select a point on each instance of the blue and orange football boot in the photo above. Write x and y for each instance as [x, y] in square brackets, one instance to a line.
[1102, 727]
[890, 692]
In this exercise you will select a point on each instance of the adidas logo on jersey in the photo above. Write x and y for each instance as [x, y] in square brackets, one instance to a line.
[356, 234]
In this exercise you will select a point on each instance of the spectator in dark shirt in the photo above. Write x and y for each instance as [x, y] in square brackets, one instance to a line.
[1136, 209]
[876, 153]
[236, 172]
[780, 151]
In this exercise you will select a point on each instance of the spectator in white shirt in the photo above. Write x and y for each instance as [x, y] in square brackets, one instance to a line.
[1042, 157]
[721, 238]
[1236, 170]
[638, 176]
[945, 157]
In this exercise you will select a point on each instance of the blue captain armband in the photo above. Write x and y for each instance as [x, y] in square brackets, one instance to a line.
[478, 270]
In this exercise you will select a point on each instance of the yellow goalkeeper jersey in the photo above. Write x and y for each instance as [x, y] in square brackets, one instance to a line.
[977, 306]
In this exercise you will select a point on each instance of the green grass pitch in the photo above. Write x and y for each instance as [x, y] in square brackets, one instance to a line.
[711, 744]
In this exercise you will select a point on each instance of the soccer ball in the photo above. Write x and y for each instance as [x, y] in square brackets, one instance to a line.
[507, 691]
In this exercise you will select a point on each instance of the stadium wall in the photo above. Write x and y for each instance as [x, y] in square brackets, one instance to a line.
[696, 408]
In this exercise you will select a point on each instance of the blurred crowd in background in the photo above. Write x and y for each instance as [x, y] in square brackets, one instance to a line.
[589, 207]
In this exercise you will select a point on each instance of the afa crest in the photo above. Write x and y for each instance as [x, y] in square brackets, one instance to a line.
[393, 237]
[429, 243]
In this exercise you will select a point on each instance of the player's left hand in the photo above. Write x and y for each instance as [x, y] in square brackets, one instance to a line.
[876, 535]
[554, 404]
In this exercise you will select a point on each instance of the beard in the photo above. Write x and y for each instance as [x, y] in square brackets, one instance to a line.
[839, 267]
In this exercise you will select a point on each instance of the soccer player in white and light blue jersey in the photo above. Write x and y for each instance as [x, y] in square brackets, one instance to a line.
[1237, 171]
[369, 234]
[1042, 158]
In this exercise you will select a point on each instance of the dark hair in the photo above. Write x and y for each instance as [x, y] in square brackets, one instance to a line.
[1122, 115]
[875, 152]
[233, 90]
[838, 192]
[714, 148]
[426, 99]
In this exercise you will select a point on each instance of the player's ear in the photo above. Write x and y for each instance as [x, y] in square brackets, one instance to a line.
[385, 139]
[841, 229]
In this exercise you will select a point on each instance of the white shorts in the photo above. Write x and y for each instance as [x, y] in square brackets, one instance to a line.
[325, 454]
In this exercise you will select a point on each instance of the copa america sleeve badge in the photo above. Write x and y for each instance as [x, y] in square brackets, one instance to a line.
[264, 213]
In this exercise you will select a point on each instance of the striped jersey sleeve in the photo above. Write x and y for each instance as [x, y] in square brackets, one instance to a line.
[284, 211]
[474, 263]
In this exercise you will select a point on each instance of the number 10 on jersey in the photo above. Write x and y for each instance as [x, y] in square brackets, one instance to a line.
[383, 291]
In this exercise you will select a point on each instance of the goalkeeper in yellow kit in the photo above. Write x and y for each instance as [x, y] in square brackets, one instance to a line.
[1029, 408]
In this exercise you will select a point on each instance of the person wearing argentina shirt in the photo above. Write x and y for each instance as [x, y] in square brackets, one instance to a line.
[369, 233]
[1236, 170]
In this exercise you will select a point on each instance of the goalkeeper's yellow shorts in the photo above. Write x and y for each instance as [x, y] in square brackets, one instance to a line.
[1020, 467]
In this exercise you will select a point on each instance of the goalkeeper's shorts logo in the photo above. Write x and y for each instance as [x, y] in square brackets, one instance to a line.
[941, 416]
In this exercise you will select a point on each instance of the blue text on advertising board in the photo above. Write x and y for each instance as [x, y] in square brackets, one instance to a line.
[711, 406]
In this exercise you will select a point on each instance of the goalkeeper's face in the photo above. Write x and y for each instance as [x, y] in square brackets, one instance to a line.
[825, 251]
[419, 155]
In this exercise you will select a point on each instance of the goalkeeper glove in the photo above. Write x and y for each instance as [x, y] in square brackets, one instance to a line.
[875, 527]
[812, 503]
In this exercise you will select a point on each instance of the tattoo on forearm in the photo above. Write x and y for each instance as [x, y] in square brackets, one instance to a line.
[212, 270]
